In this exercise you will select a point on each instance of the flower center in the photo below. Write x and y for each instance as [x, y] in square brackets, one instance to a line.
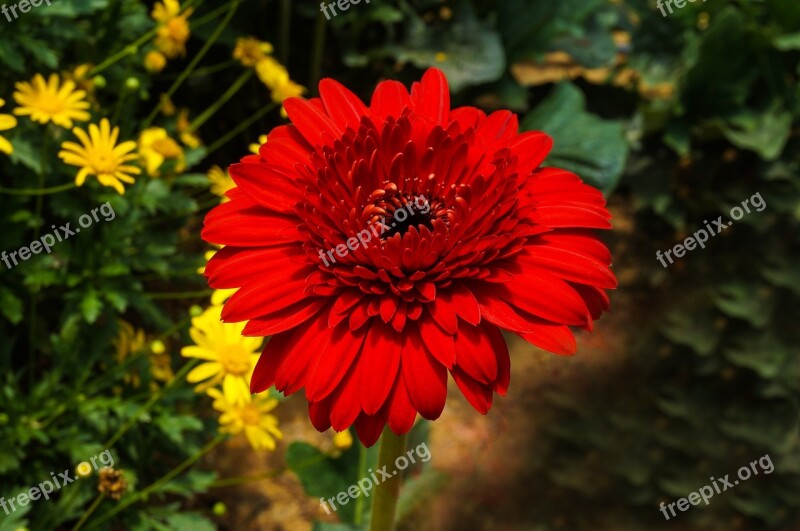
[235, 360]
[250, 415]
[400, 211]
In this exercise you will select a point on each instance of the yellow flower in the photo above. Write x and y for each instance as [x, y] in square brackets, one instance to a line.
[343, 440]
[100, 155]
[290, 89]
[221, 182]
[155, 147]
[79, 76]
[251, 417]
[6, 122]
[188, 137]
[261, 141]
[167, 107]
[155, 61]
[46, 101]
[219, 296]
[173, 31]
[128, 342]
[228, 357]
[249, 50]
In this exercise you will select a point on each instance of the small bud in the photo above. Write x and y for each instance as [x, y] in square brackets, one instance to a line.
[99, 81]
[157, 347]
[84, 470]
[132, 84]
[219, 509]
[195, 310]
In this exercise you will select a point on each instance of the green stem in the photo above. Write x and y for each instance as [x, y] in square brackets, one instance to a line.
[362, 472]
[150, 403]
[241, 127]
[231, 6]
[169, 476]
[320, 33]
[232, 90]
[95, 504]
[285, 31]
[179, 295]
[38, 191]
[384, 504]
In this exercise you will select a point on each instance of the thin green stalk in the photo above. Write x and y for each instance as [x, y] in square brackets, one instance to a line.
[320, 34]
[384, 504]
[169, 476]
[362, 472]
[195, 61]
[38, 191]
[231, 92]
[212, 15]
[179, 295]
[284, 29]
[95, 504]
[241, 127]
[150, 403]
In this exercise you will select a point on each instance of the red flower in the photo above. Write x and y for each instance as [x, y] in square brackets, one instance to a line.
[488, 241]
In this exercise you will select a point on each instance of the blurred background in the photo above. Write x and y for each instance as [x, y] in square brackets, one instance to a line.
[677, 114]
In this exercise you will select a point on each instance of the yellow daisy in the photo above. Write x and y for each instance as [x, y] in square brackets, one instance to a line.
[46, 101]
[219, 296]
[251, 417]
[173, 30]
[255, 147]
[221, 182]
[249, 51]
[6, 122]
[100, 155]
[155, 147]
[79, 76]
[228, 357]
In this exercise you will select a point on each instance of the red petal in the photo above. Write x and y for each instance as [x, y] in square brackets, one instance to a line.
[378, 365]
[438, 342]
[474, 354]
[333, 362]
[477, 394]
[401, 412]
[425, 378]
[344, 107]
[369, 428]
[268, 187]
[431, 97]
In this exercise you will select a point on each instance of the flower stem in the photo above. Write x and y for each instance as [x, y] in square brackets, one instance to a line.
[384, 504]
[318, 52]
[95, 504]
[150, 403]
[38, 191]
[195, 61]
[232, 90]
[285, 30]
[169, 476]
[241, 127]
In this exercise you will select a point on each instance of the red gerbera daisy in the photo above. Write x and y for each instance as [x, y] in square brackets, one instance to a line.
[371, 328]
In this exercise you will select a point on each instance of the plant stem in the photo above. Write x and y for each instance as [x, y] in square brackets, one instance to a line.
[232, 90]
[285, 31]
[362, 472]
[231, 6]
[241, 127]
[320, 33]
[169, 476]
[150, 403]
[384, 504]
[95, 504]
[38, 191]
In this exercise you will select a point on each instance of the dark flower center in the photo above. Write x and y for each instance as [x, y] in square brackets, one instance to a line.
[397, 212]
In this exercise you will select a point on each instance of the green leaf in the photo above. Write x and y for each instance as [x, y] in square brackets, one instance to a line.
[765, 133]
[593, 148]
[175, 426]
[467, 51]
[10, 305]
[91, 305]
[787, 42]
